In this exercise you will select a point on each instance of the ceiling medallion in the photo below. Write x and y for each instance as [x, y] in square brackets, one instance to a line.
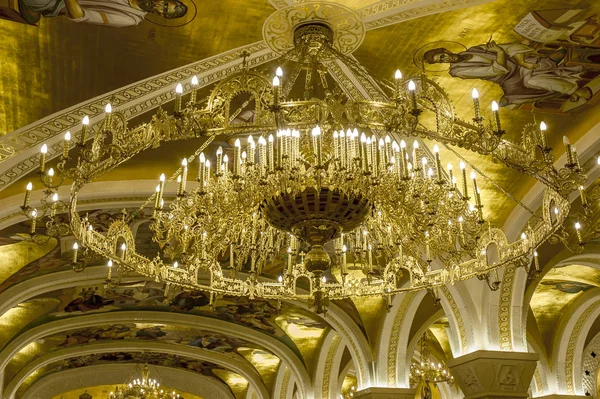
[323, 197]
[280, 30]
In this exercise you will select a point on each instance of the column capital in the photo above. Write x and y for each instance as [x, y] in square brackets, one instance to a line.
[560, 396]
[494, 374]
[385, 393]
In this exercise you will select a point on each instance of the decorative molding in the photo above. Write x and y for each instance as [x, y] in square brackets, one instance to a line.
[390, 12]
[462, 332]
[590, 365]
[392, 357]
[505, 308]
[329, 365]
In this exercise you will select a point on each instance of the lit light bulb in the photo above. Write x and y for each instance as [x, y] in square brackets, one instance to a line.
[276, 81]
[85, 120]
[494, 106]
[179, 89]
[175, 265]
[402, 144]
[110, 263]
[474, 93]
[108, 108]
[412, 86]
[473, 175]
[436, 149]
[55, 197]
[398, 75]
[577, 225]
[184, 162]
[194, 80]
[543, 126]
[462, 165]
[279, 72]
[51, 172]
[162, 177]
[29, 186]
[44, 149]
[68, 136]
[75, 247]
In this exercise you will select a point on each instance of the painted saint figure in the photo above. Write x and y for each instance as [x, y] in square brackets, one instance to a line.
[116, 13]
[523, 75]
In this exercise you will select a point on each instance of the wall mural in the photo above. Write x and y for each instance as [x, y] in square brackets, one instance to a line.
[556, 60]
[153, 359]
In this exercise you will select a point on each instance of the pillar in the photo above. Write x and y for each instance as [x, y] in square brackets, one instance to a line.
[494, 374]
[385, 393]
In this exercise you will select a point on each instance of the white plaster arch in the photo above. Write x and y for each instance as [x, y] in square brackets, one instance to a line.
[393, 339]
[461, 335]
[219, 326]
[547, 379]
[353, 338]
[328, 366]
[412, 345]
[113, 374]
[570, 340]
[229, 362]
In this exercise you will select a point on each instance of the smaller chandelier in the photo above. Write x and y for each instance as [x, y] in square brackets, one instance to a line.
[144, 388]
[426, 370]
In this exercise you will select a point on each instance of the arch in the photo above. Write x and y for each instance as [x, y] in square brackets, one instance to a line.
[219, 326]
[69, 380]
[328, 365]
[590, 365]
[236, 365]
[570, 339]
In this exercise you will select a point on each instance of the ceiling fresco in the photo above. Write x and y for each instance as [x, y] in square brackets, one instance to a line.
[558, 289]
[135, 359]
[101, 391]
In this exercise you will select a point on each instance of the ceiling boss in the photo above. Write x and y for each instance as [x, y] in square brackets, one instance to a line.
[324, 197]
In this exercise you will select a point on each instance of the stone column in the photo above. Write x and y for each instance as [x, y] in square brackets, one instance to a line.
[494, 374]
[560, 396]
[385, 393]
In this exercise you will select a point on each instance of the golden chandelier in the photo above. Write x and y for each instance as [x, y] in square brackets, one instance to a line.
[142, 388]
[324, 197]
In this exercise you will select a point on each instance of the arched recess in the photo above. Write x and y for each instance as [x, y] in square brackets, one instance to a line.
[236, 365]
[570, 340]
[544, 380]
[460, 317]
[190, 321]
[113, 374]
[353, 338]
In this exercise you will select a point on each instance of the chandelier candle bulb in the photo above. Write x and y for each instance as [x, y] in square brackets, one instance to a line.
[344, 260]
[525, 241]
[569, 148]
[250, 150]
[178, 96]
[578, 231]
[262, 155]
[475, 190]
[66, 145]
[225, 167]
[388, 150]
[336, 145]
[463, 170]
[236, 158]
[109, 264]
[28, 189]
[404, 157]
[54, 205]
[219, 163]
[184, 172]
[369, 160]
[43, 152]
[415, 156]
[397, 81]
[363, 152]
[85, 122]
[201, 161]
[75, 250]
[194, 89]
[438, 163]
[271, 153]
[373, 152]
[583, 197]
[450, 176]
[243, 163]
[107, 117]
[343, 156]
[412, 90]
[206, 173]
[351, 148]
[276, 83]
[161, 184]
[156, 200]
[123, 250]
[536, 261]
[496, 114]
[544, 140]
[424, 166]
[475, 96]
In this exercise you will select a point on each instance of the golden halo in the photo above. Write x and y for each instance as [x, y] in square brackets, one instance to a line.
[348, 28]
[454, 47]
[189, 16]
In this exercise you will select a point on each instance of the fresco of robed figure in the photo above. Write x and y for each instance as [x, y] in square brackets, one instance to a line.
[116, 13]
[523, 75]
